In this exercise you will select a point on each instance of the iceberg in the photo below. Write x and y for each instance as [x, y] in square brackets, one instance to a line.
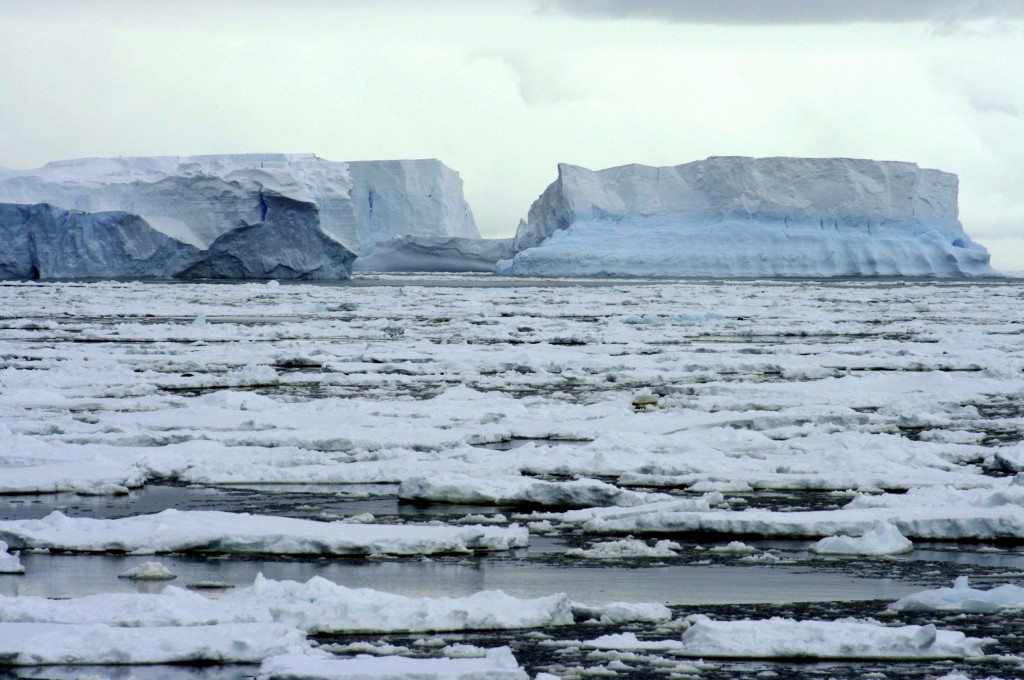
[436, 254]
[748, 217]
[44, 241]
[293, 216]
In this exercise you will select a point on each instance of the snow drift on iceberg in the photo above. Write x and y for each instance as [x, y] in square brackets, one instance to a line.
[737, 216]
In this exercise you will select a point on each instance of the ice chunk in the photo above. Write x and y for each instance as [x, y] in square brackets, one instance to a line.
[148, 571]
[578, 493]
[735, 216]
[9, 564]
[962, 598]
[883, 539]
[630, 547]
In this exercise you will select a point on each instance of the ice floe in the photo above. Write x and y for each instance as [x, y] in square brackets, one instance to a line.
[963, 598]
[321, 606]
[935, 523]
[38, 644]
[239, 533]
[457, 488]
[779, 638]
[787, 638]
[497, 664]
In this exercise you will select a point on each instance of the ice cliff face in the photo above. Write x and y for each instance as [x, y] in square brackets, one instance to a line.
[734, 216]
[436, 254]
[248, 216]
[42, 241]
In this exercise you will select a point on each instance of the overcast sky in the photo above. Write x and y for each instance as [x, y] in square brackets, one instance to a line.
[502, 90]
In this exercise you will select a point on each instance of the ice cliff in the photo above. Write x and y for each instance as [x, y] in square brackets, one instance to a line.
[229, 216]
[737, 216]
[436, 254]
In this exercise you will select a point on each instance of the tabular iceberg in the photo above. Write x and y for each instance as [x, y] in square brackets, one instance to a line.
[737, 216]
[229, 216]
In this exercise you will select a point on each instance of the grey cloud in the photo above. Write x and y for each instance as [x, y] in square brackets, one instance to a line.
[791, 12]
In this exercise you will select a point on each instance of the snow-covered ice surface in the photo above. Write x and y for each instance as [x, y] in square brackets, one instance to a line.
[238, 533]
[498, 664]
[962, 597]
[528, 428]
[791, 639]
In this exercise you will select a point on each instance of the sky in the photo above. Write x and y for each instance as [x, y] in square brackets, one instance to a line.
[504, 90]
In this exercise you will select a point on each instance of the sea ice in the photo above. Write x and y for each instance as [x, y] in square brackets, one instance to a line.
[626, 548]
[935, 523]
[48, 644]
[962, 598]
[321, 606]
[497, 490]
[239, 533]
[497, 664]
[790, 639]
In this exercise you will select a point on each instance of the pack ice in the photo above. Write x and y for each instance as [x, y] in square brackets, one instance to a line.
[253, 216]
[738, 216]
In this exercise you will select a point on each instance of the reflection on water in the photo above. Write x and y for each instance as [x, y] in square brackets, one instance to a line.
[77, 575]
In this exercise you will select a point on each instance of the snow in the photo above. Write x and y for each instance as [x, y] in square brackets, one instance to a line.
[883, 539]
[779, 638]
[962, 598]
[239, 533]
[38, 644]
[735, 216]
[498, 664]
[9, 564]
[228, 216]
